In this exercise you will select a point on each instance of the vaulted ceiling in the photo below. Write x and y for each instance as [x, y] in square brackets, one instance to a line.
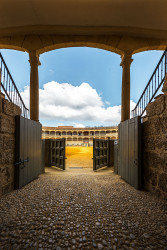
[115, 25]
[143, 14]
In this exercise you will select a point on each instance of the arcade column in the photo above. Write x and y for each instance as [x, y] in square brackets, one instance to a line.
[125, 108]
[34, 86]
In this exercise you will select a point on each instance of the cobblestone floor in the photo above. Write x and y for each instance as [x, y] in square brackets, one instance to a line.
[80, 209]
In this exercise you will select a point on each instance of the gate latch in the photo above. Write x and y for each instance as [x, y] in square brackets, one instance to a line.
[21, 163]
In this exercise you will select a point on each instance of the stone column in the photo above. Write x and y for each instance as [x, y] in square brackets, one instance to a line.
[125, 108]
[34, 86]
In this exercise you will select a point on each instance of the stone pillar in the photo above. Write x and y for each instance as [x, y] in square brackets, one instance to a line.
[125, 108]
[34, 86]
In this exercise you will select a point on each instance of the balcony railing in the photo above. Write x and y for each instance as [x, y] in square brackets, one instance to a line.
[8, 87]
[153, 85]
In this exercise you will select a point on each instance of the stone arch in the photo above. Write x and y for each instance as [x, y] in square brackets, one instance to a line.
[52, 133]
[12, 47]
[80, 132]
[114, 43]
[149, 48]
[96, 45]
[86, 140]
[113, 131]
[58, 133]
[85, 133]
[46, 43]
[102, 132]
[97, 133]
[63, 132]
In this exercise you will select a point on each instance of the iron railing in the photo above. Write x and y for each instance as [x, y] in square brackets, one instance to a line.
[8, 87]
[152, 87]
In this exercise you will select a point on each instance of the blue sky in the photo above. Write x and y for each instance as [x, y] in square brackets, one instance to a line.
[61, 77]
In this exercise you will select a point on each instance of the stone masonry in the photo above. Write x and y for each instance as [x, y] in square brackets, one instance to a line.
[154, 145]
[8, 111]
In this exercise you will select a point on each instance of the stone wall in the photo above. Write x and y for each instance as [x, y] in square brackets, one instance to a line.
[8, 111]
[154, 145]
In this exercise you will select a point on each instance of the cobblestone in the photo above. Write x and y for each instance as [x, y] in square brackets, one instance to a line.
[82, 209]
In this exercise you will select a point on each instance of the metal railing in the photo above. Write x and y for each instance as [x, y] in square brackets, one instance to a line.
[152, 87]
[8, 87]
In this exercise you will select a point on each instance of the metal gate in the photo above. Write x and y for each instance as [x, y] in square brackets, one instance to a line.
[103, 153]
[57, 153]
[47, 158]
[129, 167]
[28, 151]
[116, 158]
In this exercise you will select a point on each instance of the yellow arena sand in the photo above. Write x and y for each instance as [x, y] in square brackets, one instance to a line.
[79, 157]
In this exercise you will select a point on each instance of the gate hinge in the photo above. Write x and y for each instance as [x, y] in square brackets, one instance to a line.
[21, 162]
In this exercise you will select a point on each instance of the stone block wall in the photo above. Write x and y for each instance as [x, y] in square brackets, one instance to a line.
[154, 146]
[8, 111]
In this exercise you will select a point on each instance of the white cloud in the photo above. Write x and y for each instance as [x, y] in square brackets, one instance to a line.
[107, 102]
[65, 102]
[51, 71]
[78, 125]
[61, 124]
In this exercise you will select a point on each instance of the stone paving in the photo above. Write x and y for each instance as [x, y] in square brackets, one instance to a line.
[82, 209]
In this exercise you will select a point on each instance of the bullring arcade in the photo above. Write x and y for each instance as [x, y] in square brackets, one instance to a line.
[79, 136]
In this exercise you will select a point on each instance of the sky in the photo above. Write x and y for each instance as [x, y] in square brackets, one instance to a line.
[81, 86]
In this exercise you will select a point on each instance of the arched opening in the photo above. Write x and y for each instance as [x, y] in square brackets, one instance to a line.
[64, 133]
[77, 43]
[85, 133]
[86, 140]
[58, 133]
[52, 133]
[113, 131]
[81, 132]
[102, 133]
[97, 133]
[43, 133]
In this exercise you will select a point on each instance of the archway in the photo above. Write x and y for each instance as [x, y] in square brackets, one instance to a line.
[59, 134]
